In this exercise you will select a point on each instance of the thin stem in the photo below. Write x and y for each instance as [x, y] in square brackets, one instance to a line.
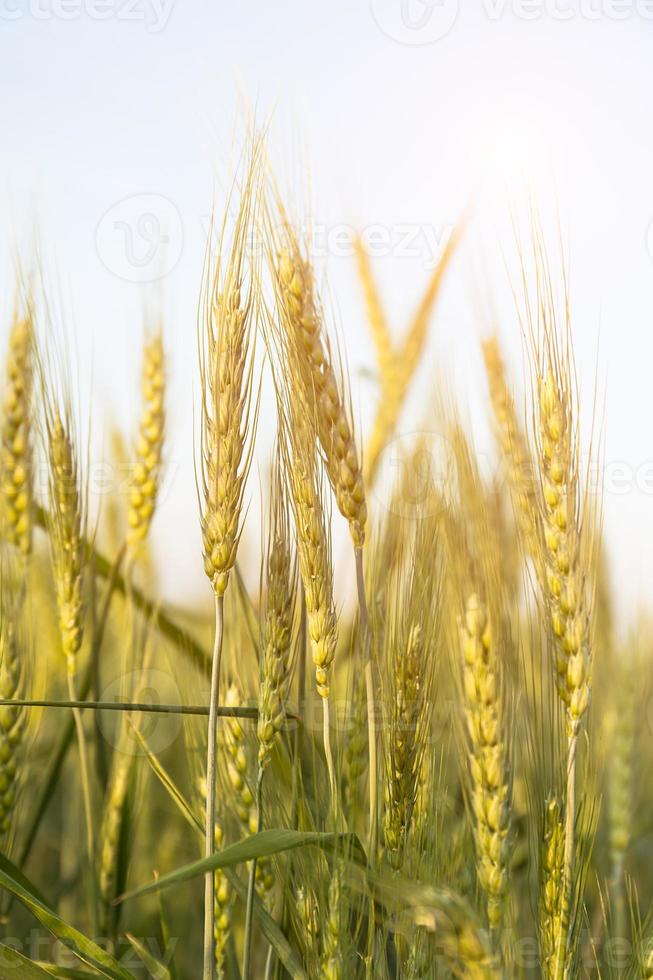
[269, 963]
[362, 600]
[251, 885]
[222, 711]
[296, 763]
[326, 732]
[366, 644]
[618, 899]
[563, 964]
[86, 794]
[211, 772]
[301, 699]
[369, 690]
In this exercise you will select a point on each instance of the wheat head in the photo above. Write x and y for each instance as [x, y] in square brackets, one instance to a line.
[15, 436]
[146, 473]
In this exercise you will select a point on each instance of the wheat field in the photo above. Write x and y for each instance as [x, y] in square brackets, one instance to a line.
[444, 774]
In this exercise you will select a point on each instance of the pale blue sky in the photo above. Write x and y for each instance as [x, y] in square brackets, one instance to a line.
[143, 105]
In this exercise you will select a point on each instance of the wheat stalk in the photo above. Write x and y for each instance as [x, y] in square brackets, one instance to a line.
[229, 311]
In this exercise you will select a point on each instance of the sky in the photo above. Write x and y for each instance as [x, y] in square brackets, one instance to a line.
[120, 123]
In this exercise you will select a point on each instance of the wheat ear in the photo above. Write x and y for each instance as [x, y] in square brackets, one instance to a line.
[487, 756]
[379, 328]
[406, 735]
[566, 590]
[146, 473]
[397, 380]
[313, 548]
[514, 450]
[277, 628]
[12, 717]
[67, 512]
[15, 435]
[552, 855]
[308, 345]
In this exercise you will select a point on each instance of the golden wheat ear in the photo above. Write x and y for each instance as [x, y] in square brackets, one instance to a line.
[230, 311]
[67, 514]
[16, 436]
[515, 452]
[146, 473]
[278, 619]
[309, 361]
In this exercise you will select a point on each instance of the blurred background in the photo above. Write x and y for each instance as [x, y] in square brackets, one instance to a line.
[121, 122]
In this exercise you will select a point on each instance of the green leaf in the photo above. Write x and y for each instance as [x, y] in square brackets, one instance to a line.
[155, 967]
[266, 843]
[13, 965]
[89, 952]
